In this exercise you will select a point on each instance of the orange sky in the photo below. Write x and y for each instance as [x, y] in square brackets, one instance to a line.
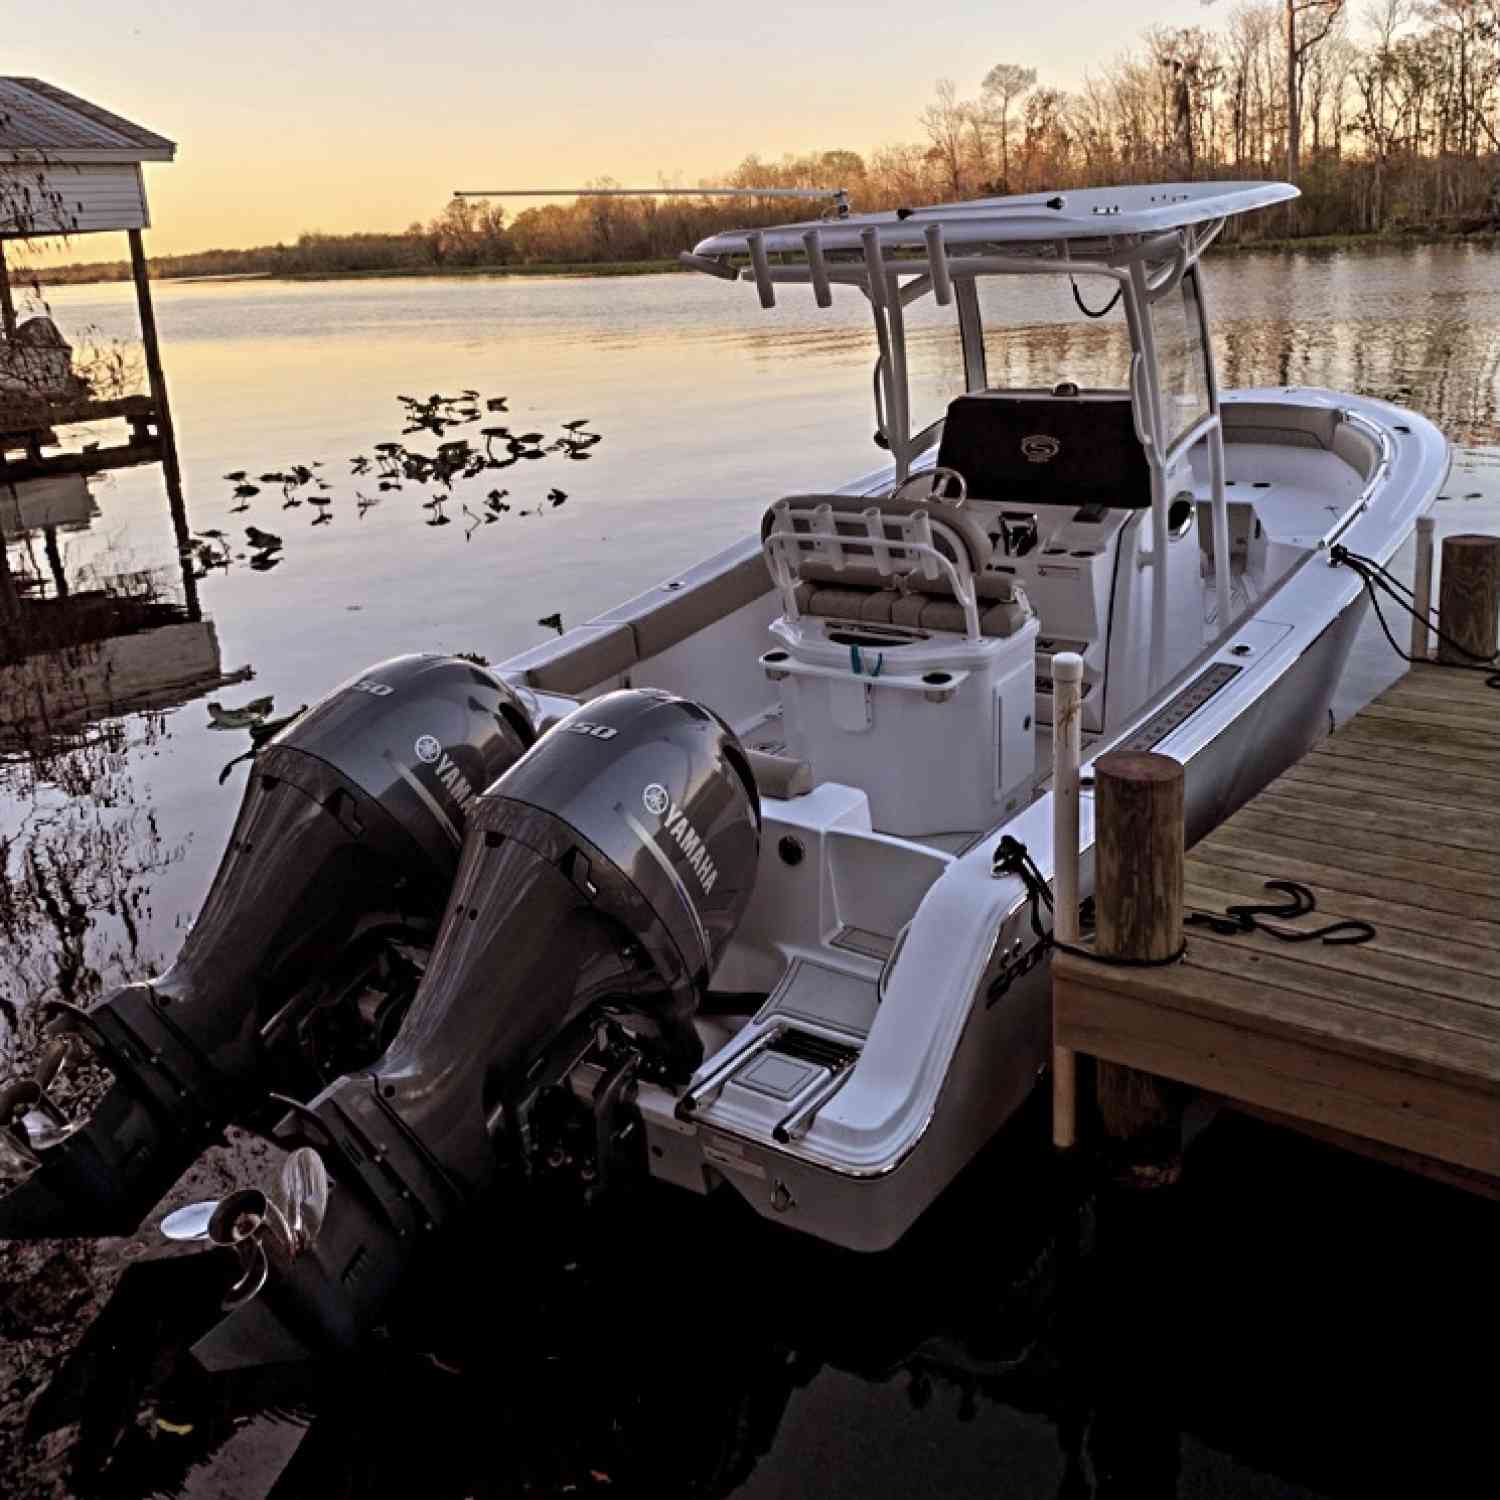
[336, 116]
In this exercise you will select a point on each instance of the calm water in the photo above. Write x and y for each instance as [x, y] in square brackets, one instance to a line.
[709, 409]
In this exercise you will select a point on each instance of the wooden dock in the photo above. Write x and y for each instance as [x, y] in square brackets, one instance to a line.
[1392, 1046]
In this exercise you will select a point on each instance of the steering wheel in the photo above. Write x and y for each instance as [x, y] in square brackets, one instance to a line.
[940, 480]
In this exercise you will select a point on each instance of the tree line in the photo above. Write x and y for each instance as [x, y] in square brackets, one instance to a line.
[1388, 121]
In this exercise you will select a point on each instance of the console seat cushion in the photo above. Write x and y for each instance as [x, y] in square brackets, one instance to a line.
[913, 611]
[1280, 423]
[860, 569]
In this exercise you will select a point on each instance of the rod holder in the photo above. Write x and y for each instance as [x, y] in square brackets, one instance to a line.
[937, 257]
[760, 266]
[817, 268]
[875, 265]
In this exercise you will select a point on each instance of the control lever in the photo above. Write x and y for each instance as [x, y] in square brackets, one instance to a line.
[1018, 532]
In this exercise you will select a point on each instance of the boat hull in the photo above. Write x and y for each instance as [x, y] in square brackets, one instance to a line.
[1005, 1047]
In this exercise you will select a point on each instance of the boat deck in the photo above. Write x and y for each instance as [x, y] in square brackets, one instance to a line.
[1391, 1047]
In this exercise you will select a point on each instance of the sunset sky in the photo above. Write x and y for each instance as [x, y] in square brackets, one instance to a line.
[292, 115]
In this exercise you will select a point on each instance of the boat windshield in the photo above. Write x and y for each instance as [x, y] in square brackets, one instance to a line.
[1181, 356]
[934, 361]
[1035, 334]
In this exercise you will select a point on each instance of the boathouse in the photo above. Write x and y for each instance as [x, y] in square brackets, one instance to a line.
[70, 168]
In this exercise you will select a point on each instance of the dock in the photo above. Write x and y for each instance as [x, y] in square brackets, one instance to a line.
[1390, 1047]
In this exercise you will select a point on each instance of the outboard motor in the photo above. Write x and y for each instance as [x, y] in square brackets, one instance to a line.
[349, 835]
[601, 880]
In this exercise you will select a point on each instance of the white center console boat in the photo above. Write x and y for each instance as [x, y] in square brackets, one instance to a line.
[884, 653]
[708, 887]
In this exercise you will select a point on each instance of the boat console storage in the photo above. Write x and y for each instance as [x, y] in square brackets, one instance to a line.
[905, 661]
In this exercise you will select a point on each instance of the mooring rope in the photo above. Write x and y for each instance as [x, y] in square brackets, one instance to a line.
[1013, 858]
[1238, 919]
[1377, 577]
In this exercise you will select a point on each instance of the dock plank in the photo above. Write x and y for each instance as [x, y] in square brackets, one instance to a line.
[1339, 770]
[1382, 713]
[1337, 878]
[1444, 938]
[1335, 809]
[1440, 681]
[1479, 711]
[1392, 1045]
[1349, 747]
[1286, 828]
[1425, 797]
[1445, 741]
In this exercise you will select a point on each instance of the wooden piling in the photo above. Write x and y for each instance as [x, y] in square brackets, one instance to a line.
[171, 470]
[7, 302]
[1422, 589]
[1138, 895]
[1469, 598]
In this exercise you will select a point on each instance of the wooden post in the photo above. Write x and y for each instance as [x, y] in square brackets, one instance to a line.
[1067, 748]
[1422, 589]
[170, 468]
[10, 600]
[1138, 881]
[1469, 598]
[7, 304]
[55, 561]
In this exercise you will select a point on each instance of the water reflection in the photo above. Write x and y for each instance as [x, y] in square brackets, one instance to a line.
[1225, 1339]
[80, 856]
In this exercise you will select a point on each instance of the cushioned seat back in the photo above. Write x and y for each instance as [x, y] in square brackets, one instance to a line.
[861, 569]
[1059, 450]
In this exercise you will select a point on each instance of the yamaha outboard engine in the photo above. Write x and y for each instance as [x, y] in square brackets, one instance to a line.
[349, 832]
[601, 880]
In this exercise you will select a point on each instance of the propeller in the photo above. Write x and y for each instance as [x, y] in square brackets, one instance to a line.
[263, 1229]
[30, 1120]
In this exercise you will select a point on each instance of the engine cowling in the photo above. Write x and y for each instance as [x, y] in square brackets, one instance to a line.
[606, 870]
[350, 829]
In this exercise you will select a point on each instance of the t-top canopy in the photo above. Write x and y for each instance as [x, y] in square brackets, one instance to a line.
[1084, 214]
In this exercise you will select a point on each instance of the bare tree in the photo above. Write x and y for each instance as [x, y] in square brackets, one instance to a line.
[1307, 23]
[946, 122]
[1003, 85]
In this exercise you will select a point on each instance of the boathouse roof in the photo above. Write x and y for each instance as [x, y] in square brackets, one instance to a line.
[37, 118]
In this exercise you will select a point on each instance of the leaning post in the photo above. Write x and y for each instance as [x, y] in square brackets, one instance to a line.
[1138, 899]
[7, 302]
[1422, 589]
[1067, 749]
[171, 470]
[1469, 598]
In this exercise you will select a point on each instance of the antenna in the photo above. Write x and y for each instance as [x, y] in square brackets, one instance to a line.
[839, 196]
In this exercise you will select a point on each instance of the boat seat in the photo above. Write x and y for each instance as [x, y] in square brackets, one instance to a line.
[908, 611]
[1287, 426]
[836, 573]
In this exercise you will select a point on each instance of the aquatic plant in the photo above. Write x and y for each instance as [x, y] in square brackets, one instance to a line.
[447, 473]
